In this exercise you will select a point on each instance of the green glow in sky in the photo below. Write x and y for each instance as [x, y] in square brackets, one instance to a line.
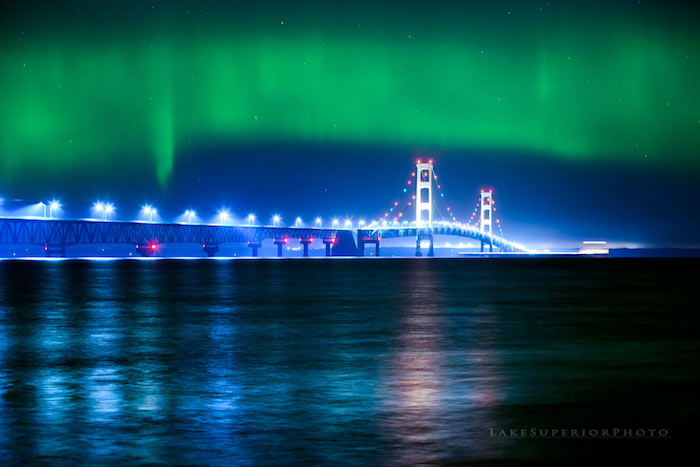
[630, 96]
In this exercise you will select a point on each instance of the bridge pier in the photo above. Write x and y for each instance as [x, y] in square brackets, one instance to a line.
[254, 246]
[329, 242]
[146, 249]
[210, 250]
[424, 236]
[59, 250]
[490, 246]
[280, 242]
[364, 241]
[305, 242]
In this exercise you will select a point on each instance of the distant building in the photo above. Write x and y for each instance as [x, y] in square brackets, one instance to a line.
[594, 247]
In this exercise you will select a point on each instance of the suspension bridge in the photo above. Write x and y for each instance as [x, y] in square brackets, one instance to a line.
[54, 235]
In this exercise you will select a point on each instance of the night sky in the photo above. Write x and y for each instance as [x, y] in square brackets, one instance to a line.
[584, 117]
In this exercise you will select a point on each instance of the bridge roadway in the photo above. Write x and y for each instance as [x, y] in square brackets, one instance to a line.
[57, 234]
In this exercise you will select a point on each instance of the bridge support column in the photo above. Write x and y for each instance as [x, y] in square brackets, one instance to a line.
[58, 250]
[425, 234]
[329, 242]
[210, 250]
[146, 249]
[305, 242]
[490, 246]
[254, 246]
[280, 242]
[362, 241]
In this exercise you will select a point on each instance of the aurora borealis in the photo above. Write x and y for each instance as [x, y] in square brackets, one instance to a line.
[562, 107]
[559, 79]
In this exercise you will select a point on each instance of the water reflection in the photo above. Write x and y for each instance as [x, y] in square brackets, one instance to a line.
[360, 362]
[438, 394]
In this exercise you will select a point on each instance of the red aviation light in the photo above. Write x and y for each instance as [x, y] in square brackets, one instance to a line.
[418, 161]
[430, 161]
[153, 246]
[285, 240]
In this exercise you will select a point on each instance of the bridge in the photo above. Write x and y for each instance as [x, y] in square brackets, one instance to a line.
[149, 237]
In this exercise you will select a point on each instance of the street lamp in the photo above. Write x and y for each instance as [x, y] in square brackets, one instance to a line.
[54, 205]
[362, 223]
[319, 222]
[335, 222]
[104, 209]
[348, 224]
[223, 216]
[108, 209]
[251, 219]
[190, 213]
[297, 222]
[275, 220]
[149, 210]
[42, 204]
[99, 207]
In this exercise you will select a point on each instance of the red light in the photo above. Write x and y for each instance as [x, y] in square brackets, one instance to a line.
[409, 182]
[332, 240]
[286, 240]
[153, 246]
[430, 161]
[418, 161]
[396, 203]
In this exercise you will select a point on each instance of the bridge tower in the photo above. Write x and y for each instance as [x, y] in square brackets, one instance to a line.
[486, 221]
[424, 194]
[424, 204]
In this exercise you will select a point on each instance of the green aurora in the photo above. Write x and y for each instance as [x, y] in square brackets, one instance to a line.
[628, 93]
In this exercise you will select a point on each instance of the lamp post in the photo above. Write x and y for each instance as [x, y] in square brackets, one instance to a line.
[54, 205]
[108, 209]
[190, 213]
[223, 216]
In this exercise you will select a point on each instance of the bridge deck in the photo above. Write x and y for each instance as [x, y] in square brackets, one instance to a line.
[67, 232]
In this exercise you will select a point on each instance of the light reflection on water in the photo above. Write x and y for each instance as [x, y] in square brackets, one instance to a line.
[391, 362]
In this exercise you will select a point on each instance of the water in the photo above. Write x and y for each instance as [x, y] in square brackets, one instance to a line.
[345, 361]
